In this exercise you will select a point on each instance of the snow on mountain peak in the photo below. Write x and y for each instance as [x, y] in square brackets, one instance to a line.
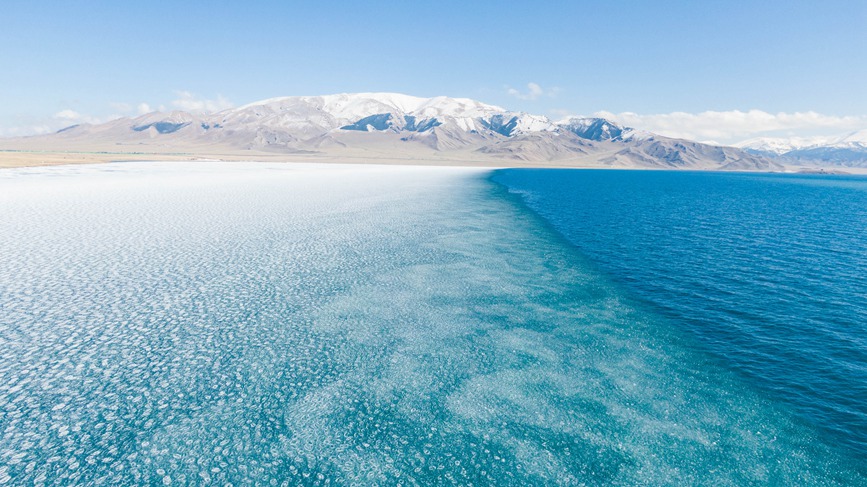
[595, 128]
[360, 105]
[858, 138]
[782, 145]
[384, 111]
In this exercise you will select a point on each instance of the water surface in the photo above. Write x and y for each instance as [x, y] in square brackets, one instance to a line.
[767, 271]
[171, 323]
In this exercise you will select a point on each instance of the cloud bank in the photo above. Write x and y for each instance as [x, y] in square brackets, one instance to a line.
[735, 125]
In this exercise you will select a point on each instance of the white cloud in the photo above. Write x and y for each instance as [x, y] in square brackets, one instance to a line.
[193, 103]
[735, 125]
[534, 91]
[143, 108]
[67, 115]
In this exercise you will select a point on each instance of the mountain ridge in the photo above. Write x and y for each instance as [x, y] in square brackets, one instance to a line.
[847, 150]
[404, 125]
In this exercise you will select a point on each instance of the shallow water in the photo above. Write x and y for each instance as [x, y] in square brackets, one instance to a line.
[259, 323]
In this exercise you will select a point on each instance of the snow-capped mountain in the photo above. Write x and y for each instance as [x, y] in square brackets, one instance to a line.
[371, 112]
[844, 150]
[779, 145]
[396, 125]
[595, 128]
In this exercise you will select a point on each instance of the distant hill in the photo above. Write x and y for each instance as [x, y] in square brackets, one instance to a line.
[849, 150]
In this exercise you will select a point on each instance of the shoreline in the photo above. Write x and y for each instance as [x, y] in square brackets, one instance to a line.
[21, 158]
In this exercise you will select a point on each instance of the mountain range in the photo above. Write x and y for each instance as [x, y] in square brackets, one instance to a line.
[849, 150]
[376, 126]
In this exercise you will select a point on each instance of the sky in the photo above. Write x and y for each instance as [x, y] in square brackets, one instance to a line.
[714, 70]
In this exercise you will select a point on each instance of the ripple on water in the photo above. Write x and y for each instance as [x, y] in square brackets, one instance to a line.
[204, 323]
[765, 270]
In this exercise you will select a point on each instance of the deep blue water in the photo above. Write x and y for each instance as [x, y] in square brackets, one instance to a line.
[767, 272]
[281, 324]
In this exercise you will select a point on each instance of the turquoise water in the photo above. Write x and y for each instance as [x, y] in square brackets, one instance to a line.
[175, 324]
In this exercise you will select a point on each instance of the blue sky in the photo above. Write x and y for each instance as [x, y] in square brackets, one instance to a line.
[770, 67]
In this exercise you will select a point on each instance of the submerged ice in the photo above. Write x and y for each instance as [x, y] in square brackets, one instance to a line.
[256, 323]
